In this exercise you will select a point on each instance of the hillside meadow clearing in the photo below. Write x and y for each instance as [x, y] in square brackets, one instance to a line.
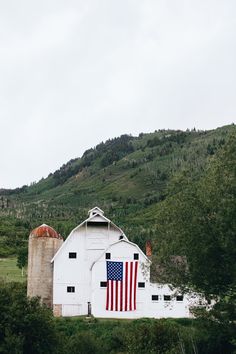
[9, 272]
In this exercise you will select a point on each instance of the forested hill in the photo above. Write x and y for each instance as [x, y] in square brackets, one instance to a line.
[128, 177]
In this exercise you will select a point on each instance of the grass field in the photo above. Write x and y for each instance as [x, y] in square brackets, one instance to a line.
[9, 271]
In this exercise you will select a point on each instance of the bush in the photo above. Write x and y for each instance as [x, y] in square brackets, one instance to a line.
[84, 343]
[25, 325]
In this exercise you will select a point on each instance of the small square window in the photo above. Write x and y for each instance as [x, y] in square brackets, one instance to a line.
[136, 256]
[70, 289]
[155, 297]
[108, 256]
[167, 297]
[72, 254]
[141, 285]
[179, 298]
[103, 284]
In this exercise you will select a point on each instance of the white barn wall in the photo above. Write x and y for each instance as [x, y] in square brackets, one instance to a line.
[88, 269]
[85, 241]
[122, 251]
[162, 308]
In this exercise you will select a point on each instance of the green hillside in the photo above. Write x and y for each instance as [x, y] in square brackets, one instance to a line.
[128, 177]
[177, 189]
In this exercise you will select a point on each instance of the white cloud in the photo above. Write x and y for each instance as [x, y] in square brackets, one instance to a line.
[74, 73]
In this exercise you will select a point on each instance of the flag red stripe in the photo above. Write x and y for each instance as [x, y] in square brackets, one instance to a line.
[111, 295]
[107, 303]
[117, 283]
[131, 286]
[135, 283]
[121, 296]
[126, 285]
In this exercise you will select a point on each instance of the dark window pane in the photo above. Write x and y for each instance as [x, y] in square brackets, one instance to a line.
[141, 285]
[72, 254]
[97, 223]
[136, 256]
[179, 297]
[155, 297]
[108, 256]
[103, 284]
[167, 297]
[70, 289]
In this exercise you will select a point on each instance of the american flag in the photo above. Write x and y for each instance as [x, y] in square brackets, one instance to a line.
[121, 286]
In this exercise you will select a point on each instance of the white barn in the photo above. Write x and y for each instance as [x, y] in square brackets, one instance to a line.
[98, 271]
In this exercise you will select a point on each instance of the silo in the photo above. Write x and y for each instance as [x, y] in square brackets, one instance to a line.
[44, 242]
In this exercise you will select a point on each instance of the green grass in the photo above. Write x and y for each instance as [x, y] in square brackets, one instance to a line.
[9, 271]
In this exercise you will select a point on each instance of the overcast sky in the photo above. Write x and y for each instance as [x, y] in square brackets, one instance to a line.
[75, 73]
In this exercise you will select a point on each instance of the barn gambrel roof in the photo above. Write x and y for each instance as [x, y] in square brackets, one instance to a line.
[115, 243]
[98, 217]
